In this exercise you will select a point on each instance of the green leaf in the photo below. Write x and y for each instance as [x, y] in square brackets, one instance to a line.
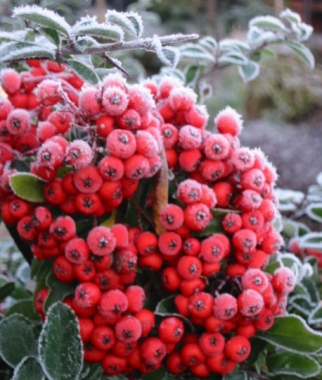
[130, 21]
[43, 17]
[196, 53]
[17, 339]
[267, 22]
[237, 374]
[209, 43]
[60, 346]
[91, 371]
[314, 211]
[249, 71]
[159, 374]
[103, 31]
[292, 333]
[311, 240]
[233, 57]
[289, 363]
[316, 316]
[192, 74]
[233, 45]
[303, 52]
[57, 290]
[25, 308]
[85, 72]
[28, 369]
[6, 288]
[13, 51]
[52, 35]
[27, 186]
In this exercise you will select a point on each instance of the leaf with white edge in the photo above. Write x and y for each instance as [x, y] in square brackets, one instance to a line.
[267, 22]
[294, 229]
[237, 374]
[6, 287]
[130, 21]
[27, 186]
[230, 44]
[25, 308]
[43, 17]
[196, 53]
[292, 333]
[28, 369]
[167, 55]
[13, 51]
[57, 290]
[60, 346]
[20, 35]
[192, 74]
[289, 363]
[91, 371]
[159, 374]
[319, 179]
[233, 57]
[312, 240]
[249, 71]
[103, 31]
[209, 43]
[312, 290]
[52, 35]
[303, 52]
[288, 14]
[84, 71]
[315, 316]
[314, 211]
[17, 339]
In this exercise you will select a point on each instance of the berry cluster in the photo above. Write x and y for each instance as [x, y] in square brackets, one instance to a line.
[94, 146]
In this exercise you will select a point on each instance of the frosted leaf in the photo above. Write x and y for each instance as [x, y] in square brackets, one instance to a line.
[291, 16]
[43, 17]
[28, 368]
[93, 28]
[167, 55]
[60, 346]
[84, 71]
[17, 339]
[257, 36]
[312, 240]
[249, 71]
[171, 72]
[130, 21]
[20, 35]
[209, 43]
[191, 51]
[314, 211]
[11, 51]
[27, 186]
[229, 44]
[305, 32]
[267, 22]
[234, 57]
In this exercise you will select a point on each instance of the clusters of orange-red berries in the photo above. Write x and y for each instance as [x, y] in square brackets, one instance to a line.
[92, 146]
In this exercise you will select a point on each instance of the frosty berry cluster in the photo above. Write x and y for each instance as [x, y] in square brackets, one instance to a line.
[93, 147]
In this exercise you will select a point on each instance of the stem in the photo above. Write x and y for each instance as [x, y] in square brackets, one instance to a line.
[141, 211]
[142, 43]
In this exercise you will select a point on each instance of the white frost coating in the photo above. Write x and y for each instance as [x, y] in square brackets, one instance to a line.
[290, 15]
[10, 51]
[128, 20]
[311, 240]
[229, 44]
[209, 43]
[35, 10]
[191, 50]
[228, 111]
[310, 213]
[169, 55]
[267, 22]
[89, 24]
[257, 36]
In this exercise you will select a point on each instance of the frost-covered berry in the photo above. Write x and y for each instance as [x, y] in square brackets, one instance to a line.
[87, 294]
[171, 217]
[10, 80]
[111, 168]
[50, 155]
[146, 144]
[212, 249]
[62, 120]
[128, 329]
[225, 306]
[5, 108]
[197, 216]
[90, 101]
[79, 154]
[190, 137]
[101, 241]
[255, 279]
[115, 100]
[169, 243]
[250, 302]
[170, 135]
[140, 98]
[112, 302]
[49, 92]
[182, 98]
[136, 167]
[189, 267]
[229, 121]
[121, 143]
[88, 179]
[18, 121]
[283, 280]
[189, 191]
[216, 147]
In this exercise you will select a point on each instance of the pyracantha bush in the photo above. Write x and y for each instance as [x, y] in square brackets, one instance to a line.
[137, 204]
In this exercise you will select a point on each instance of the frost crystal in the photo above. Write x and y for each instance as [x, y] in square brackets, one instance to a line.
[128, 20]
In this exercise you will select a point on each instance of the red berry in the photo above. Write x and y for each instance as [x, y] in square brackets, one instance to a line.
[171, 330]
[237, 348]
